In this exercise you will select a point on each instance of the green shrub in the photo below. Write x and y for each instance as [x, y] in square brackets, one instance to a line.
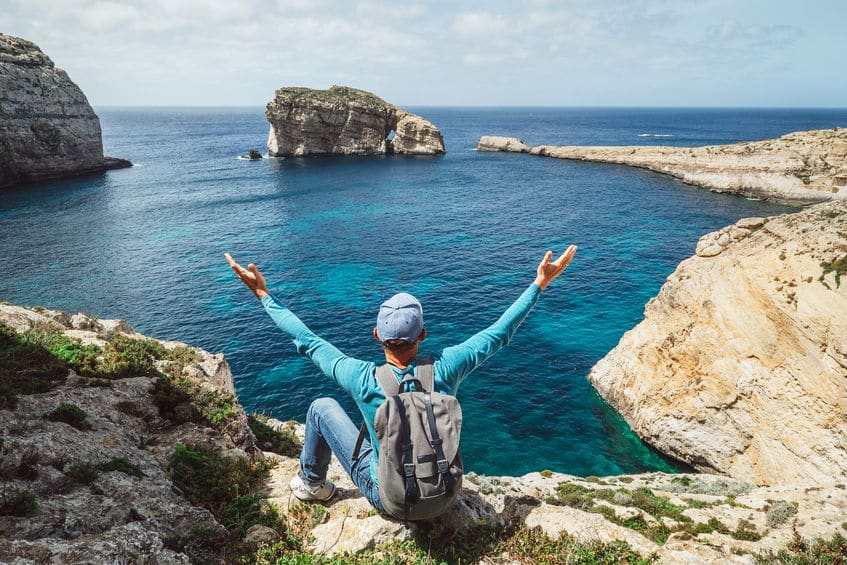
[779, 512]
[83, 359]
[575, 496]
[85, 473]
[20, 503]
[226, 486]
[804, 552]
[546, 473]
[282, 442]
[181, 400]
[125, 357]
[26, 366]
[122, 465]
[746, 531]
[837, 266]
[88, 472]
[657, 506]
[70, 414]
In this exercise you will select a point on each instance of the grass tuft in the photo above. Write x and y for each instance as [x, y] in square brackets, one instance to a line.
[70, 414]
[281, 442]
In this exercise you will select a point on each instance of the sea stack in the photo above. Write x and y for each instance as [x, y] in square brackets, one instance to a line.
[345, 121]
[740, 364]
[48, 129]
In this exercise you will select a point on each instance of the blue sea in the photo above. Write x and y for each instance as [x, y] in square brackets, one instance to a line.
[336, 236]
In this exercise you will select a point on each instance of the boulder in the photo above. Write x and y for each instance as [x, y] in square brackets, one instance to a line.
[47, 127]
[497, 143]
[345, 121]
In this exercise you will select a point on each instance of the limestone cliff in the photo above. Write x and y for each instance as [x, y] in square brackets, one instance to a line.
[740, 364]
[345, 121]
[107, 492]
[128, 508]
[798, 168]
[47, 127]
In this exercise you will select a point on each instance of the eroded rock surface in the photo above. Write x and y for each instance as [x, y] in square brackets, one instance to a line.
[345, 121]
[47, 127]
[740, 364]
[116, 518]
[803, 167]
[348, 524]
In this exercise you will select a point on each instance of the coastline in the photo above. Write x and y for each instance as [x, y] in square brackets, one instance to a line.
[799, 168]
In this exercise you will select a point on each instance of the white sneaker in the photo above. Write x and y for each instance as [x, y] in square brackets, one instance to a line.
[306, 493]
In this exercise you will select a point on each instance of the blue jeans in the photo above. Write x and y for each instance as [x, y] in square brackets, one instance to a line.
[330, 430]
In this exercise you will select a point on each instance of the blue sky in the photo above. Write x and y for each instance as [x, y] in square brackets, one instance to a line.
[477, 53]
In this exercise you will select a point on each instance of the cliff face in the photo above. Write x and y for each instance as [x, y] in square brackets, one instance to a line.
[345, 121]
[47, 127]
[103, 490]
[798, 168]
[740, 364]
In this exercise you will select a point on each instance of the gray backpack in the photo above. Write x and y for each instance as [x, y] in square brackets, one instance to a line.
[420, 467]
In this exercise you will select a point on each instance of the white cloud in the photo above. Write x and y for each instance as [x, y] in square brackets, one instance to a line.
[477, 24]
[202, 51]
[390, 12]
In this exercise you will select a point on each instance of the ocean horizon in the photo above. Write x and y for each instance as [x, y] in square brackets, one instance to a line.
[336, 236]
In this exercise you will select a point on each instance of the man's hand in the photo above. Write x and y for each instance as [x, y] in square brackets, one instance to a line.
[252, 278]
[548, 271]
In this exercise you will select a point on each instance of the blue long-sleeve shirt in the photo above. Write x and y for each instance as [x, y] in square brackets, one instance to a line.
[357, 378]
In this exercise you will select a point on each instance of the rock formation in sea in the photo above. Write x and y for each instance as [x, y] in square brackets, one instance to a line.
[740, 364]
[47, 127]
[124, 473]
[345, 121]
[798, 168]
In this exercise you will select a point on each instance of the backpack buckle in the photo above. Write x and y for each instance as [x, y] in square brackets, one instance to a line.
[409, 469]
[443, 466]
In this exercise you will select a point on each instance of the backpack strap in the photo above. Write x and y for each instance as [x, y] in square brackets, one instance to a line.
[437, 446]
[425, 373]
[362, 431]
[387, 380]
[411, 491]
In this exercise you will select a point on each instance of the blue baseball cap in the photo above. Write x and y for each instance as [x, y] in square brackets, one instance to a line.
[400, 317]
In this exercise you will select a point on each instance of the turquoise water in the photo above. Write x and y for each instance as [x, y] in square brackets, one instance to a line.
[337, 236]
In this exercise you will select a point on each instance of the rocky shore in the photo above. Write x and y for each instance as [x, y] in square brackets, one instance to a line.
[798, 168]
[127, 449]
[48, 129]
[740, 364]
[345, 121]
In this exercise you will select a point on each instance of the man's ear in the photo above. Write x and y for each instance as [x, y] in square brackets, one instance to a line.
[420, 337]
[376, 336]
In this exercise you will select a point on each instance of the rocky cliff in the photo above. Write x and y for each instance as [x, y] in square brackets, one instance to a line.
[345, 121]
[799, 168]
[119, 448]
[47, 127]
[740, 364]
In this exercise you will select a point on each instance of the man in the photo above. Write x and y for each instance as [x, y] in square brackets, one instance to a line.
[400, 330]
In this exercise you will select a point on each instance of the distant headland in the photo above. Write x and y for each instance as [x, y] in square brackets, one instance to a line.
[48, 129]
[799, 168]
